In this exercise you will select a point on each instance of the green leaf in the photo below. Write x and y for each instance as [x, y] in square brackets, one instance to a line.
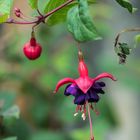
[52, 4]
[10, 138]
[125, 48]
[12, 112]
[122, 50]
[59, 16]
[33, 4]
[80, 23]
[126, 5]
[3, 18]
[42, 5]
[7, 99]
[5, 7]
[137, 38]
[91, 1]
[137, 41]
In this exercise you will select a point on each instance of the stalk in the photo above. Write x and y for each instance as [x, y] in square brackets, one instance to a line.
[90, 123]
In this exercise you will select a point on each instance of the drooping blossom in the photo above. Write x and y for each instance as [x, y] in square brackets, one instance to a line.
[85, 89]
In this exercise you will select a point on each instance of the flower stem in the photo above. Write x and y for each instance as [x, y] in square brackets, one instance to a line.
[90, 122]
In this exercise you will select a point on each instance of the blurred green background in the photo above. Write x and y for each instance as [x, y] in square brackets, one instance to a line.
[28, 108]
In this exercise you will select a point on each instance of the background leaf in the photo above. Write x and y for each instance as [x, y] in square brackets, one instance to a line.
[12, 112]
[52, 4]
[5, 7]
[33, 4]
[8, 99]
[11, 138]
[137, 38]
[126, 5]
[43, 135]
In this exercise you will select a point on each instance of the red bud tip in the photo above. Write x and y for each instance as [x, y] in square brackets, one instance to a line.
[33, 42]
[17, 10]
[17, 14]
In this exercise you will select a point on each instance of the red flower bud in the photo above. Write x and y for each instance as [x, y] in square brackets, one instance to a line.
[18, 14]
[32, 50]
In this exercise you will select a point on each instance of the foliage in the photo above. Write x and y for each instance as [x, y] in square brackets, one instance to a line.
[5, 8]
[80, 23]
[44, 115]
[126, 5]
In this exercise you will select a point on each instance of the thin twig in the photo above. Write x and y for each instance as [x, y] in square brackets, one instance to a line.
[124, 31]
[40, 18]
[39, 12]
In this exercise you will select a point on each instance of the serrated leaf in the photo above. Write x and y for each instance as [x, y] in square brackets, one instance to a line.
[10, 138]
[127, 5]
[80, 23]
[33, 4]
[5, 7]
[14, 111]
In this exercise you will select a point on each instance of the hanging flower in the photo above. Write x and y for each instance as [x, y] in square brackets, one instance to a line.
[84, 89]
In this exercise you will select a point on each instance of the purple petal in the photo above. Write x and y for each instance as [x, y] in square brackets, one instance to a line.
[80, 98]
[97, 87]
[92, 96]
[99, 91]
[102, 84]
[65, 92]
[71, 89]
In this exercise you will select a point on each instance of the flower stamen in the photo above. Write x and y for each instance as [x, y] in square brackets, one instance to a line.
[95, 109]
[75, 114]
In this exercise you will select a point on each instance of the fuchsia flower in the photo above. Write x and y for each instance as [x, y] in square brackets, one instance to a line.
[85, 89]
